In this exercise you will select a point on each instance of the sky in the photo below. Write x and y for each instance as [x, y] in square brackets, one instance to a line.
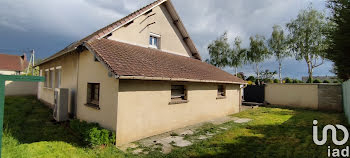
[49, 26]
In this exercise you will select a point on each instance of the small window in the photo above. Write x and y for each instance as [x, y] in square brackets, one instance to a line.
[154, 41]
[51, 74]
[58, 78]
[93, 94]
[46, 78]
[178, 93]
[221, 91]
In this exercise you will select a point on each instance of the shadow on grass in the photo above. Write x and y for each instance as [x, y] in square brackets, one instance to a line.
[289, 138]
[29, 120]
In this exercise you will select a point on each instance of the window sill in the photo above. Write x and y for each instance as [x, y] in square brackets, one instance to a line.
[94, 106]
[221, 97]
[178, 102]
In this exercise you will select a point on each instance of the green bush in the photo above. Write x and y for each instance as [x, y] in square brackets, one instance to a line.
[317, 81]
[288, 80]
[276, 81]
[335, 81]
[251, 78]
[295, 81]
[309, 80]
[92, 133]
[326, 81]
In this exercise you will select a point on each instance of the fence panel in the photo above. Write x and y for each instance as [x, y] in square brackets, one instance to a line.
[20, 88]
[254, 93]
[346, 99]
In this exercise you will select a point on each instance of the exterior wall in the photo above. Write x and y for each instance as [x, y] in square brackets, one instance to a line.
[144, 110]
[138, 32]
[20, 88]
[346, 99]
[330, 97]
[69, 72]
[326, 97]
[95, 72]
[294, 95]
[4, 72]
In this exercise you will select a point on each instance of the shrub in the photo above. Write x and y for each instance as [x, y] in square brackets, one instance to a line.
[308, 80]
[317, 81]
[300, 81]
[295, 81]
[251, 78]
[268, 81]
[326, 81]
[335, 81]
[92, 133]
[276, 81]
[250, 82]
[288, 80]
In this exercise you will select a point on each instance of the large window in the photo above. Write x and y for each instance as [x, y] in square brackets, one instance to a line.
[51, 74]
[221, 91]
[154, 41]
[58, 74]
[93, 94]
[46, 75]
[178, 93]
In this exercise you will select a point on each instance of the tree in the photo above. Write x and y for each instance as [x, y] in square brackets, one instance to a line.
[267, 75]
[219, 50]
[257, 52]
[237, 55]
[251, 78]
[278, 47]
[307, 37]
[339, 37]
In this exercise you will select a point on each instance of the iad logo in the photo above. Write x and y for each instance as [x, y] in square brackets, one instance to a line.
[335, 152]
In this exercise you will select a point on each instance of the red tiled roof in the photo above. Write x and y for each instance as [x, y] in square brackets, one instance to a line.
[103, 31]
[13, 62]
[131, 60]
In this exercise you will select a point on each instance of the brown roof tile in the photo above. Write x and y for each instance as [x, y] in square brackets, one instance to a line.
[131, 60]
[13, 62]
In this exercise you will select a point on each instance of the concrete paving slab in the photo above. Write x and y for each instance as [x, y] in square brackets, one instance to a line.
[242, 120]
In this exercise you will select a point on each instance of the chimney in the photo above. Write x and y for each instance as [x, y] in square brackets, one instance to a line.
[24, 57]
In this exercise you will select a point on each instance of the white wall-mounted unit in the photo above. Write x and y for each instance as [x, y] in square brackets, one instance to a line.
[60, 111]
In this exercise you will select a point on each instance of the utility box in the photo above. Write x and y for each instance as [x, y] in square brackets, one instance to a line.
[60, 111]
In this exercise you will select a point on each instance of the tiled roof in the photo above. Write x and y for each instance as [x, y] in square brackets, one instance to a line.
[13, 62]
[107, 29]
[130, 60]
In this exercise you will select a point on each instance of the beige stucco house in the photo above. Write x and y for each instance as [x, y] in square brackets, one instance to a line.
[12, 64]
[140, 76]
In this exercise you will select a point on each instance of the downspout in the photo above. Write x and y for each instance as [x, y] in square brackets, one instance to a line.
[241, 96]
[77, 88]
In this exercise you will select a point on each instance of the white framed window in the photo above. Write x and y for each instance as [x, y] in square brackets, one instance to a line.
[58, 74]
[46, 75]
[51, 77]
[154, 41]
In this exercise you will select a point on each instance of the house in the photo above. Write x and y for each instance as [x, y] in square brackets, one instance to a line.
[12, 64]
[140, 76]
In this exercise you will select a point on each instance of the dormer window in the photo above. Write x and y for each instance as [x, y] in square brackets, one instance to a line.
[154, 40]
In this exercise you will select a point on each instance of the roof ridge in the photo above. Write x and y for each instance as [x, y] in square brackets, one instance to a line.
[10, 55]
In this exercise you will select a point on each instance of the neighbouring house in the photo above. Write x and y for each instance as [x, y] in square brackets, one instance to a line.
[140, 76]
[13, 64]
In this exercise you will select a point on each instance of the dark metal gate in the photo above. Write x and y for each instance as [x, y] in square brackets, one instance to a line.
[254, 93]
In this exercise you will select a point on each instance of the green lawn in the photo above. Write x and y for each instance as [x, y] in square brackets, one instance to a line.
[29, 132]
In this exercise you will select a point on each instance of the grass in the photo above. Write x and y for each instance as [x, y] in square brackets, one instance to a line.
[274, 132]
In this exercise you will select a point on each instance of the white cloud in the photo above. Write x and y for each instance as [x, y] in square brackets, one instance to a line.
[205, 20]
